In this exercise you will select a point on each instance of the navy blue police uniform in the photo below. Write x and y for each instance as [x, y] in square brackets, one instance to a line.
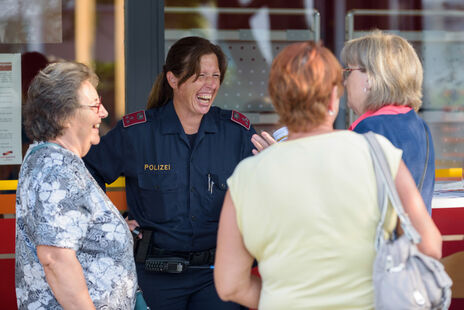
[175, 185]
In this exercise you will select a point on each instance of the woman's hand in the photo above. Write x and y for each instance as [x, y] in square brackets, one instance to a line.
[262, 141]
[431, 242]
[134, 227]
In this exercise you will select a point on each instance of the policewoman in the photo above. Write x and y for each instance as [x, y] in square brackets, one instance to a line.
[176, 157]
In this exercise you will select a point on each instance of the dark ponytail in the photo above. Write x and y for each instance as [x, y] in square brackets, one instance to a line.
[160, 93]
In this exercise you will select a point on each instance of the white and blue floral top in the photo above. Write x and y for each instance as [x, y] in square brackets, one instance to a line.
[58, 203]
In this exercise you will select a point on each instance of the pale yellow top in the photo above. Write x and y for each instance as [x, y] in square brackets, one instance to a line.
[307, 210]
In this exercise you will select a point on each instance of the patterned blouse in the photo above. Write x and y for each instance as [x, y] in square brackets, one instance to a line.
[58, 203]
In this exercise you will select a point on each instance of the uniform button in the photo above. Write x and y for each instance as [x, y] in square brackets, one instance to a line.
[157, 187]
[192, 189]
[223, 186]
[193, 217]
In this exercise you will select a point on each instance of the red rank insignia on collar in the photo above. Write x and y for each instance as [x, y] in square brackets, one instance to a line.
[134, 118]
[240, 119]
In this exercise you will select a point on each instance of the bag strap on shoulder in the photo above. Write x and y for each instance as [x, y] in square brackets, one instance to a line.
[421, 182]
[382, 171]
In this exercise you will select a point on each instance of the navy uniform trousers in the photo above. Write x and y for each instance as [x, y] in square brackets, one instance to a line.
[175, 185]
[193, 290]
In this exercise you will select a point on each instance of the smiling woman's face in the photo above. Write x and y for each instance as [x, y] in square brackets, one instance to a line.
[84, 125]
[196, 95]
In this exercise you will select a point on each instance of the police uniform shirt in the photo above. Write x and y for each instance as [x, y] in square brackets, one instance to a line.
[175, 189]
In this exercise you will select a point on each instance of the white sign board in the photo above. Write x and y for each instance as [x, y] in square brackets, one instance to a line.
[10, 109]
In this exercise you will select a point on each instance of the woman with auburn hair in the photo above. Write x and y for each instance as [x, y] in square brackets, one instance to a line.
[383, 80]
[306, 209]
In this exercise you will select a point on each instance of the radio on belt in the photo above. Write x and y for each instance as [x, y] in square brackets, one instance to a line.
[166, 264]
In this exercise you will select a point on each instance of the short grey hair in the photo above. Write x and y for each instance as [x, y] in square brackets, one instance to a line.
[393, 69]
[53, 98]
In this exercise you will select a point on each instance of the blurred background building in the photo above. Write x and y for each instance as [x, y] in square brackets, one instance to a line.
[125, 41]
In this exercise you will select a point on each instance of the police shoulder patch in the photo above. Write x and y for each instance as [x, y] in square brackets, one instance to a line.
[134, 118]
[240, 119]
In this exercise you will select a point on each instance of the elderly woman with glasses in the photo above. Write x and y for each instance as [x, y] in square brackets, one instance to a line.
[306, 209]
[73, 248]
[383, 81]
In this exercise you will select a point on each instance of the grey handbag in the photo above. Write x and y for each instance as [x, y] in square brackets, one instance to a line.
[403, 277]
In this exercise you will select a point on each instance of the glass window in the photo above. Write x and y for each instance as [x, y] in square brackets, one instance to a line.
[250, 36]
[87, 31]
[251, 32]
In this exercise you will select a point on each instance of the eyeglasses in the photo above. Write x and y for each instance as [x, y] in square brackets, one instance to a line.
[95, 106]
[347, 71]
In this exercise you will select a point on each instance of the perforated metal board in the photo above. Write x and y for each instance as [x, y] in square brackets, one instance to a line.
[250, 53]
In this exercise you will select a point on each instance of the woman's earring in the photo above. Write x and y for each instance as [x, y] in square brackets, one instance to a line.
[365, 89]
[331, 113]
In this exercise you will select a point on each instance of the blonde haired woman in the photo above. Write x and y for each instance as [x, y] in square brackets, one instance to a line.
[383, 81]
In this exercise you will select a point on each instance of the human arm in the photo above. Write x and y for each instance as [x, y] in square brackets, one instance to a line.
[262, 141]
[57, 224]
[134, 227]
[431, 241]
[65, 277]
[232, 267]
